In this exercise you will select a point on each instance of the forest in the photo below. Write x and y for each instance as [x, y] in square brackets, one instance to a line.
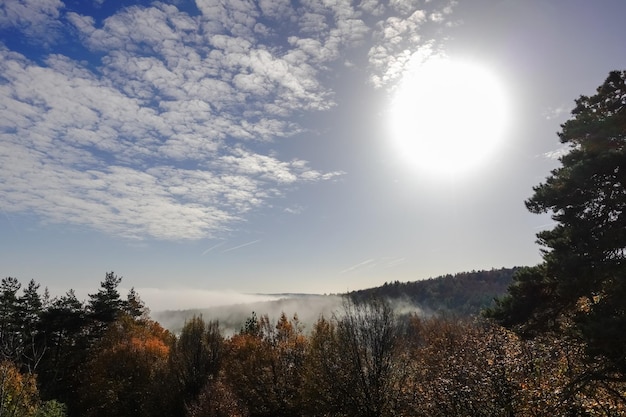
[552, 345]
[107, 357]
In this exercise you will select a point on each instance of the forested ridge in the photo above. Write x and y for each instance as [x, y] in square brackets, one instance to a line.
[552, 345]
[462, 294]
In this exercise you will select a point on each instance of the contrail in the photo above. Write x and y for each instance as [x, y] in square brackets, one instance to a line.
[211, 248]
[241, 246]
[396, 262]
[359, 265]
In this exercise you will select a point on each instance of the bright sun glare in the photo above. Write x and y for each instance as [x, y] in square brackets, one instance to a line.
[447, 115]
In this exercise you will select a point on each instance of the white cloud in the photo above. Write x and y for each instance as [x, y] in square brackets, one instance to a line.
[557, 153]
[372, 7]
[277, 9]
[399, 36]
[35, 18]
[79, 148]
[154, 138]
[560, 112]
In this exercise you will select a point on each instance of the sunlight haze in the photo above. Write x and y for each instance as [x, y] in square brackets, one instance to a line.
[448, 115]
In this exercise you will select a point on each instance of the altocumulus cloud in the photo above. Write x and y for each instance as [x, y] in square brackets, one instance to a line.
[150, 132]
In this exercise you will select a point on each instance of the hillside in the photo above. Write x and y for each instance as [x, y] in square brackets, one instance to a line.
[462, 294]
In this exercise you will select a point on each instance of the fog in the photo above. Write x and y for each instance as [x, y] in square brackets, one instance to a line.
[232, 309]
[159, 299]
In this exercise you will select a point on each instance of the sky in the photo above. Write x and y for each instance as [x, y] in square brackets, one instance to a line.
[209, 150]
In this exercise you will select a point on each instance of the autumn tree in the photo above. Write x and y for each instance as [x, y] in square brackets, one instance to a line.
[456, 367]
[124, 370]
[50, 341]
[264, 365]
[322, 394]
[18, 392]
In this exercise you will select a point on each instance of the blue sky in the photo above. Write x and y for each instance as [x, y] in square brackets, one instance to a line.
[203, 149]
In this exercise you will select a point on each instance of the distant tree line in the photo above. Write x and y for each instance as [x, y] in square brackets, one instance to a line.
[462, 294]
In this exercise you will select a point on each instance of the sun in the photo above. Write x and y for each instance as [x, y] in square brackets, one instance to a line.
[448, 116]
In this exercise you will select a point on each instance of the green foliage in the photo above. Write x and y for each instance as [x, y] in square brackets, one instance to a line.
[520, 306]
[65, 330]
[105, 305]
[11, 346]
[51, 408]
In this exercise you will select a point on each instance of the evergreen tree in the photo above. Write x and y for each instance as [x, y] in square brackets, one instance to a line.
[580, 287]
[11, 343]
[64, 325]
[30, 308]
[106, 305]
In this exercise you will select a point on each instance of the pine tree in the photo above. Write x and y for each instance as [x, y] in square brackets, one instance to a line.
[580, 287]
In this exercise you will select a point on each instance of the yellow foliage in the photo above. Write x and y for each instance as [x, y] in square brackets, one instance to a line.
[18, 393]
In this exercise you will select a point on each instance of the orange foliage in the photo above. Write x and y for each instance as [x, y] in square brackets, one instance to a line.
[125, 368]
[18, 392]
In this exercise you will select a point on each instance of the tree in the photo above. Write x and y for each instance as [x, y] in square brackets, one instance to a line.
[125, 369]
[30, 307]
[352, 365]
[264, 365]
[196, 359]
[105, 305]
[134, 305]
[18, 393]
[580, 287]
[11, 343]
[64, 325]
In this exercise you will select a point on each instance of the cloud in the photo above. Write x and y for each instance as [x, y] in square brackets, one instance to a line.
[164, 130]
[232, 309]
[37, 19]
[557, 153]
[557, 113]
[400, 36]
[296, 209]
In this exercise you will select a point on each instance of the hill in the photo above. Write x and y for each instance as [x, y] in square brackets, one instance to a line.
[462, 294]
